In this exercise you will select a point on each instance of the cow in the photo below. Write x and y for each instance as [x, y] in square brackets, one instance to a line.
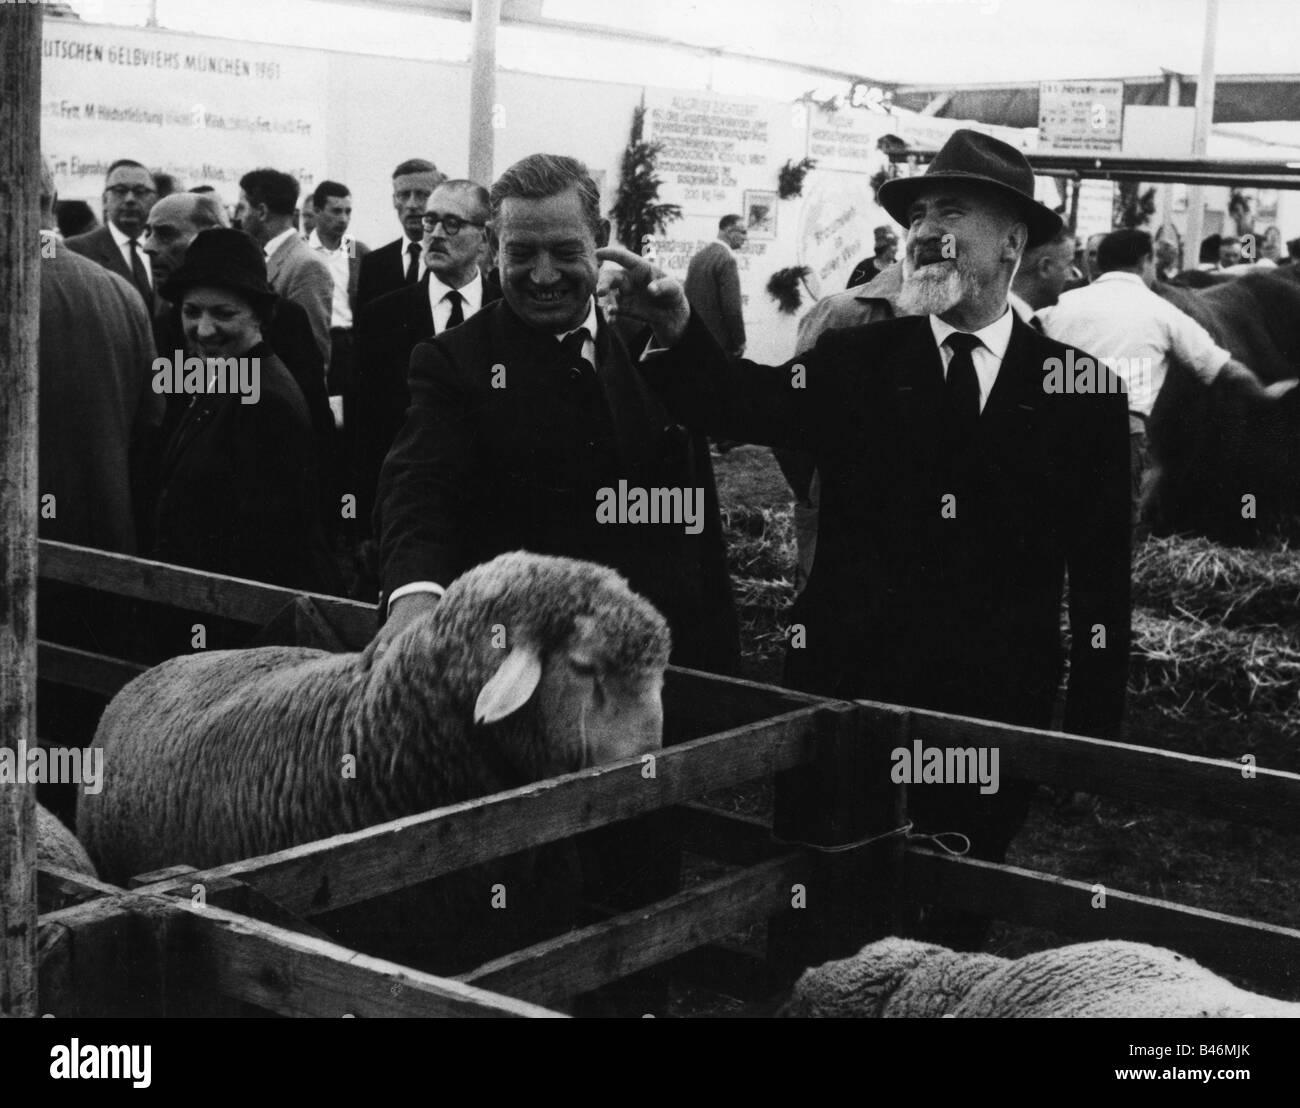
[1227, 469]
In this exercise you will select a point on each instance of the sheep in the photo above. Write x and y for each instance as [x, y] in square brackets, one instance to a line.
[530, 666]
[56, 845]
[896, 978]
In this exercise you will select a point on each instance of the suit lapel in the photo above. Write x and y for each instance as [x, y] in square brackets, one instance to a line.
[918, 383]
[1018, 389]
[419, 310]
[197, 417]
[276, 262]
[637, 416]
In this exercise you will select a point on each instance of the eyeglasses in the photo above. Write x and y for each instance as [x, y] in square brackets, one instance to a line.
[122, 191]
[450, 223]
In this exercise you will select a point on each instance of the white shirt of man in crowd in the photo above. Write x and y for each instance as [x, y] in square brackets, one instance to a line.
[452, 260]
[335, 215]
[1119, 317]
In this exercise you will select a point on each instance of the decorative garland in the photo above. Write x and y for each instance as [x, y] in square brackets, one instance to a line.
[637, 213]
[789, 182]
[783, 287]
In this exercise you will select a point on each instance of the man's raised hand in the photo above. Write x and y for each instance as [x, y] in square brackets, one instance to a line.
[647, 296]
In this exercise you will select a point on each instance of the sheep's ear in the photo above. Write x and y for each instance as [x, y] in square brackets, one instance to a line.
[510, 687]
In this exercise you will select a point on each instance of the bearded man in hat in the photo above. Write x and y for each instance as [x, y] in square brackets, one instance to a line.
[959, 481]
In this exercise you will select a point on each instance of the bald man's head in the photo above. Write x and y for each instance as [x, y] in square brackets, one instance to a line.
[174, 222]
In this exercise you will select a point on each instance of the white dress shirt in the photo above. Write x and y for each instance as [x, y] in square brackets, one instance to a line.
[124, 245]
[588, 352]
[274, 244]
[471, 295]
[1120, 321]
[339, 262]
[987, 356]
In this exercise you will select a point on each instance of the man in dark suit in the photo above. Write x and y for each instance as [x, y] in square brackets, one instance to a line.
[512, 434]
[400, 262]
[958, 485]
[522, 421]
[267, 199]
[452, 290]
[129, 193]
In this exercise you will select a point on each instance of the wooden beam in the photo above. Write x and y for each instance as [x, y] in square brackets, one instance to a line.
[232, 597]
[332, 873]
[100, 959]
[59, 888]
[1225, 944]
[20, 295]
[297, 975]
[698, 703]
[594, 956]
[82, 669]
[1205, 787]
[845, 797]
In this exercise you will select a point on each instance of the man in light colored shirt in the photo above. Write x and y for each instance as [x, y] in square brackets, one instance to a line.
[713, 284]
[1136, 333]
[267, 199]
[331, 205]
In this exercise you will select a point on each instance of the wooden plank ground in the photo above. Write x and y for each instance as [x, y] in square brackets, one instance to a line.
[594, 956]
[342, 870]
[1205, 787]
[1223, 943]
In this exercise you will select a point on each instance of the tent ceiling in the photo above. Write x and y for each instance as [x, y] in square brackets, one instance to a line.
[935, 42]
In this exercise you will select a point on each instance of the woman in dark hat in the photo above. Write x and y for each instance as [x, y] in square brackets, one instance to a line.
[239, 470]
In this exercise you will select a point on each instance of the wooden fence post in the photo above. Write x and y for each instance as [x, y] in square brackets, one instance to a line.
[844, 797]
[20, 99]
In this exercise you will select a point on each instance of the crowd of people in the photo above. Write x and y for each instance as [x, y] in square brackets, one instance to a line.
[459, 392]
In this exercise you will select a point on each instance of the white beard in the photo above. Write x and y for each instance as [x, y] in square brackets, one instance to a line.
[932, 289]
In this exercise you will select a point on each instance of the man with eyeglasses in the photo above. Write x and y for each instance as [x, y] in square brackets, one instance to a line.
[451, 290]
[129, 193]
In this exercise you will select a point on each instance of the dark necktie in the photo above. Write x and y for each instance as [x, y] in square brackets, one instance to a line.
[962, 391]
[1036, 324]
[579, 369]
[413, 266]
[138, 273]
[457, 316]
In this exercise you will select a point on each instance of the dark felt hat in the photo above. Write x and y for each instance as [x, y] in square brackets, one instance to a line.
[223, 258]
[974, 158]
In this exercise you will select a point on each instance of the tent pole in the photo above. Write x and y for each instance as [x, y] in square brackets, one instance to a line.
[1201, 134]
[483, 122]
[20, 123]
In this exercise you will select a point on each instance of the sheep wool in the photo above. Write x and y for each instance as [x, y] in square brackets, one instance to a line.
[902, 978]
[57, 846]
[211, 758]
